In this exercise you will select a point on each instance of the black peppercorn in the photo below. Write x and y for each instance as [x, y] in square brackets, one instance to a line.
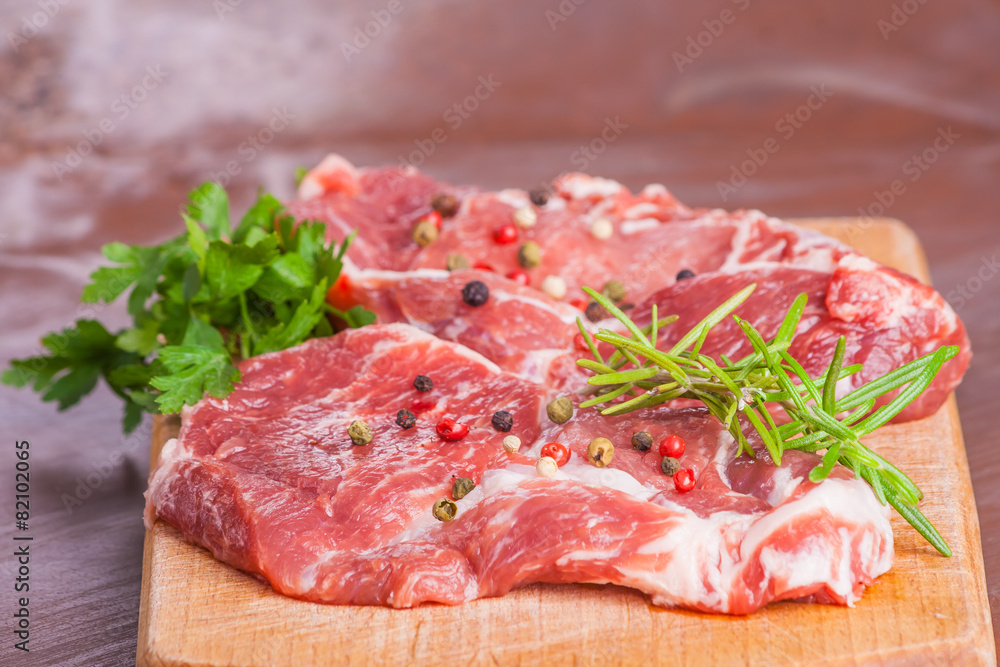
[539, 197]
[595, 312]
[684, 274]
[502, 421]
[406, 419]
[642, 441]
[475, 293]
[444, 204]
[423, 383]
[669, 466]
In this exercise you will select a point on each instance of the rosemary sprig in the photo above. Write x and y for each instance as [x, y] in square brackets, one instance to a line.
[817, 421]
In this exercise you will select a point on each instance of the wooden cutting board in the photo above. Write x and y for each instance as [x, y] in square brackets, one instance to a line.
[927, 610]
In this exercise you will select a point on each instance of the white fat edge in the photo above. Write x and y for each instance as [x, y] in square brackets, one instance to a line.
[784, 486]
[582, 186]
[655, 191]
[514, 198]
[849, 500]
[366, 275]
[629, 227]
[536, 364]
[555, 204]
[698, 563]
[641, 210]
[310, 186]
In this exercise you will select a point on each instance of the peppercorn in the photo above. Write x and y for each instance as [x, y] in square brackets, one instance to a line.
[672, 445]
[539, 196]
[505, 234]
[461, 487]
[546, 467]
[456, 262]
[511, 444]
[525, 217]
[449, 430]
[475, 293]
[502, 421]
[554, 286]
[445, 204]
[684, 480]
[360, 432]
[529, 255]
[642, 441]
[669, 466]
[600, 451]
[560, 410]
[406, 419]
[595, 312]
[445, 510]
[556, 451]
[425, 233]
[602, 229]
[614, 290]
[423, 383]
[684, 274]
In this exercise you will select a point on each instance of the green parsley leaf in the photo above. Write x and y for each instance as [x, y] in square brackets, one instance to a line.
[192, 372]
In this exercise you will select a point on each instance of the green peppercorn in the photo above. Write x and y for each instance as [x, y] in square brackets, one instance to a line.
[614, 290]
[425, 233]
[560, 410]
[445, 510]
[444, 204]
[456, 262]
[529, 255]
[360, 432]
[669, 466]
[406, 419]
[600, 451]
[462, 487]
[642, 441]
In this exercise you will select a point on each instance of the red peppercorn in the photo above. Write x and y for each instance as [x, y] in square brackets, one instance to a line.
[579, 304]
[520, 277]
[557, 452]
[684, 480]
[433, 217]
[449, 430]
[672, 446]
[580, 343]
[483, 266]
[505, 234]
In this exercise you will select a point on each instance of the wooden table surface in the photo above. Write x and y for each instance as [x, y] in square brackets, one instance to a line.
[111, 111]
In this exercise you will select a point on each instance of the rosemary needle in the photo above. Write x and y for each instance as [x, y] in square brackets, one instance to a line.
[817, 421]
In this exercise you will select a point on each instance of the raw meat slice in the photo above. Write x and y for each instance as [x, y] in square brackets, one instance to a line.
[888, 318]
[653, 235]
[268, 480]
[520, 329]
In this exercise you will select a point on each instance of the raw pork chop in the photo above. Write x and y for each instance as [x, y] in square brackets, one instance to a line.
[268, 480]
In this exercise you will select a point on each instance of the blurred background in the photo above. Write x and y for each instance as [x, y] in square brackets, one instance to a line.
[111, 111]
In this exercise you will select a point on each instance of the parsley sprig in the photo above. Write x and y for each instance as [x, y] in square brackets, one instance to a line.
[200, 302]
[816, 420]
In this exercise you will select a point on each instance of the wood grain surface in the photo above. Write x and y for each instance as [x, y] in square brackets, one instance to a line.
[927, 610]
